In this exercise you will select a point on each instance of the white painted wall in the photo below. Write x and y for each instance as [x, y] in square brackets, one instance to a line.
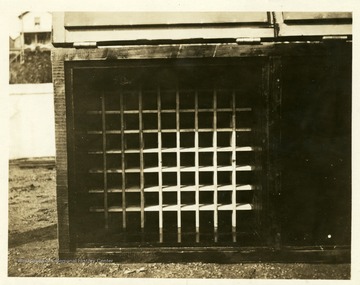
[29, 22]
[32, 125]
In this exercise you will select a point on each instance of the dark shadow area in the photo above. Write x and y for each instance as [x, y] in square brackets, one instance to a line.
[41, 234]
[316, 149]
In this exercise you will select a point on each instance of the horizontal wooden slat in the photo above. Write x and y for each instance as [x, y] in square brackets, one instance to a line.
[166, 51]
[103, 19]
[114, 151]
[150, 150]
[315, 16]
[296, 24]
[151, 169]
[94, 112]
[229, 187]
[174, 208]
[115, 170]
[109, 190]
[152, 189]
[174, 169]
[310, 30]
[185, 150]
[168, 34]
[226, 149]
[203, 130]
[175, 188]
[114, 209]
[183, 188]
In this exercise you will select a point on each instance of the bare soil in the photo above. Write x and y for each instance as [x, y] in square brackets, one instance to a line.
[33, 244]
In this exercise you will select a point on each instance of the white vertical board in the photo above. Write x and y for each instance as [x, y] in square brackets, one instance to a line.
[31, 121]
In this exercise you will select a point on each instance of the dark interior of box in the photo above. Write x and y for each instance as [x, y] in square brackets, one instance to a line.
[315, 151]
[168, 152]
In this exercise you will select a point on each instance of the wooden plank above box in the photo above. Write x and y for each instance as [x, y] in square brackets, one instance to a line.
[301, 24]
[105, 27]
[317, 16]
[114, 28]
[103, 19]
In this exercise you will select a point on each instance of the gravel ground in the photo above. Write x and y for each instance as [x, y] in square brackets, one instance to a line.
[33, 245]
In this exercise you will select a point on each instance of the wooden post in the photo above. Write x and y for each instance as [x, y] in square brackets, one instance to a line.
[160, 166]
[178, 178]
[104, 170]
[215, 163]
[233, 163]
[61, 137]
[142, 186]
[197, 183]
[123, 176]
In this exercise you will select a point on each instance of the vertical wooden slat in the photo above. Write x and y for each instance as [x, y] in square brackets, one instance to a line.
[178, 174]
[197, 186]
[103, 122]
[65, 150]
[141, 134]
[233, 161]
[215, 162]
[123, 177]
[160, 166]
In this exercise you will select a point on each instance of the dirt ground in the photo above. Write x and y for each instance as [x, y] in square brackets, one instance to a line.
[33, 244]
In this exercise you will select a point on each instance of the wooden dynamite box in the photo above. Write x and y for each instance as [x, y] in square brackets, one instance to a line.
[219, 137]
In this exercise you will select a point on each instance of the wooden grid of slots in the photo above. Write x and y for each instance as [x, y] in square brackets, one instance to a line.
[187, 144]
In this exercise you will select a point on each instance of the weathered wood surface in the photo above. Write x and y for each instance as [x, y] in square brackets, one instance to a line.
[114, 56]
[91, 19]
[73, 27]
[297, 24]
[217, 255]
[61, 154]
[316, 16]
[80, 27]
[183, 51]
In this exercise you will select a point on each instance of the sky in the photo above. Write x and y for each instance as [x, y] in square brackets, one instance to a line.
[14, 23]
